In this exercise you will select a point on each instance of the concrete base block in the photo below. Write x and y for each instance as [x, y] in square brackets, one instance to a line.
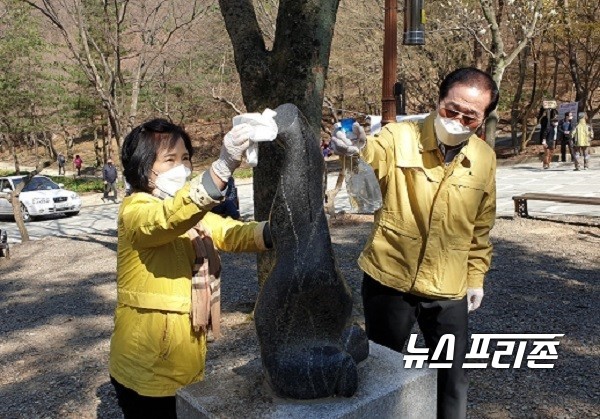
[386, 390]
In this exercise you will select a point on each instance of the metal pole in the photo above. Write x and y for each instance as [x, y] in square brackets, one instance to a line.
[390, 58]
[414, 18]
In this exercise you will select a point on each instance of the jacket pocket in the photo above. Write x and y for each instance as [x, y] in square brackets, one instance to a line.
[166, 336]
[466, 195]
[397, 247]
[454, 278]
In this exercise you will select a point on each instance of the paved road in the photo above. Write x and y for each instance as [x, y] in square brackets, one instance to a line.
[94, 219]
[559, 179]
[99, 218]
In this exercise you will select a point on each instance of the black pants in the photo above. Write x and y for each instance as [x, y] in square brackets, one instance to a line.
[390, 316]
[135, 406]
[564, 143]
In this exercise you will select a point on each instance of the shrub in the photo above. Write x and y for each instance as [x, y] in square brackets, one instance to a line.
[79, 185]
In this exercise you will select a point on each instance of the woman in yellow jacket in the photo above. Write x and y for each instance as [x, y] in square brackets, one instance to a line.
[159, 343]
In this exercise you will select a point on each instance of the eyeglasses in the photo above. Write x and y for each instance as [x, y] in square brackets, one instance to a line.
[466, 120]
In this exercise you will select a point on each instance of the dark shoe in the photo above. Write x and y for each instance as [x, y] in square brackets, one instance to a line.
[577, 169]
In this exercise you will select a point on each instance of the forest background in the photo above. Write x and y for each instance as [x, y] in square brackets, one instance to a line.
[85, 72]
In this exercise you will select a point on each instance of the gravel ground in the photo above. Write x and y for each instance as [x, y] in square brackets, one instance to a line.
[58, 296]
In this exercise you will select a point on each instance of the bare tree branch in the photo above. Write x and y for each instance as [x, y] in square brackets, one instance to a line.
[224, 100]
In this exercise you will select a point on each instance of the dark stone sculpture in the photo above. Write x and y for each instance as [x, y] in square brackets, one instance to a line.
[302, 315]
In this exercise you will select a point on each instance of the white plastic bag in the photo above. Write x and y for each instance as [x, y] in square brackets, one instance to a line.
[362, 187]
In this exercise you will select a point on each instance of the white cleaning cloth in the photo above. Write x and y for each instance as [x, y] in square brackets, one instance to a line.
[265, 129]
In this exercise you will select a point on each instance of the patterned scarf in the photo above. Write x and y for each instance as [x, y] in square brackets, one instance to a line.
[206, 283]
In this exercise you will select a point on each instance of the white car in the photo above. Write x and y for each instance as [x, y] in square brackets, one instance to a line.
[41, 196]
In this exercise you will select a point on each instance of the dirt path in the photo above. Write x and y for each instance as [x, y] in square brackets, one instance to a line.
[58, 296]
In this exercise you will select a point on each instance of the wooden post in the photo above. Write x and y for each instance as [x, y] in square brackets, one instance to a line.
[390, 58]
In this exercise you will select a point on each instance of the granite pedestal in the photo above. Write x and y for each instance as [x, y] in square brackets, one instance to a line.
[385, 390]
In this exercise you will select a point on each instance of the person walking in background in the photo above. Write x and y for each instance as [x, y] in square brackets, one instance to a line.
[325, 149]
[581, 139]
[565, 128]
[543, 117]
[549, 141]
[60, 159]
[166, 296]
[429, 251]
[77, 163]
[109, 176]
[230, 207]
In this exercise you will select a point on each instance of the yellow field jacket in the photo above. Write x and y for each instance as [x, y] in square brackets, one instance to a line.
[431, 237]
[153, 348]
[581, 134]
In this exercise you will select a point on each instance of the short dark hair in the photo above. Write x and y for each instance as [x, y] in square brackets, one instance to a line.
[471, 76]
[141, 145]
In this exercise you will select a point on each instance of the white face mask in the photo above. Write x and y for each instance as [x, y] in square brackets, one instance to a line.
[172, 180]
[451, 132]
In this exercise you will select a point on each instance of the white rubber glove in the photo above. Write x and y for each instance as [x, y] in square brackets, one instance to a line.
[474, 297]
[234, 145]
[342, 146]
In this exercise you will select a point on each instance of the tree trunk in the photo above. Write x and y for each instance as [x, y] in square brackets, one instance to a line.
[113, 122]
[52, 154]
[514, 110]
[135, 94]
[500, 58]
[13, 150]
[293, 72]
[477, 54]
[97, 148]
[521, 117]
[68, 143]
[105, 142]
[34, 142]
[555, 73]
[16, 204]
[491, 123]
[524, 134]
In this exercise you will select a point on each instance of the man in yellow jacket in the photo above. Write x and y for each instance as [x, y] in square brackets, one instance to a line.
[429, 250]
